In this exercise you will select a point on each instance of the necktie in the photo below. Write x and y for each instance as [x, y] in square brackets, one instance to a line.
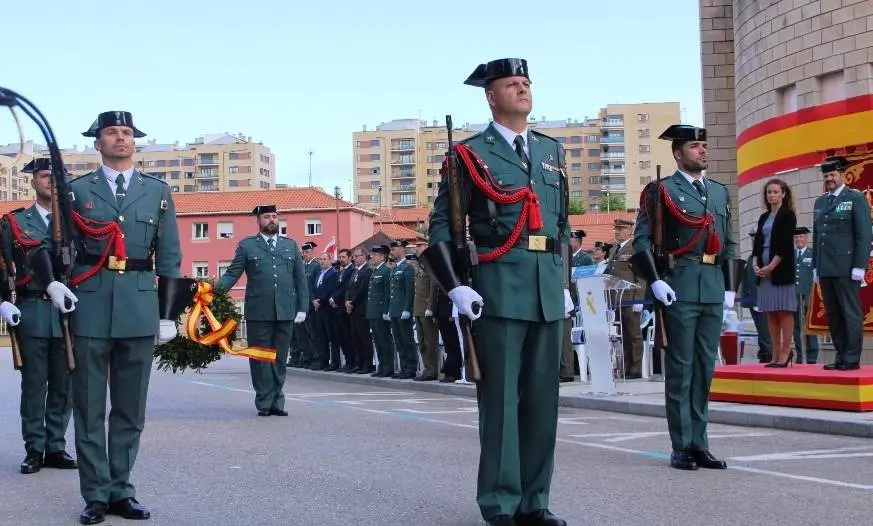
[119, 189]
[270, 242]
[48, 221]
[700, 188]
[831, 199]
[519, 150]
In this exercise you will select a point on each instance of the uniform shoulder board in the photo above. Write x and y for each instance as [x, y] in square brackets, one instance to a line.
[152, 177]
[543, 135]
[470, 138]
[18, 210]
[708, 180]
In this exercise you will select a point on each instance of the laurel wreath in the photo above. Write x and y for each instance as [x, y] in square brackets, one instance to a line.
[181, 353]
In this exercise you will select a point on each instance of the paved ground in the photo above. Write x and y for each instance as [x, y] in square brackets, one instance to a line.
[361, 455]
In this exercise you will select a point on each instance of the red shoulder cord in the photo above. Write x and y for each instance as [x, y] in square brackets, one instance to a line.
[705, 223]
[100, 230]
[531, 211]
[23, 241]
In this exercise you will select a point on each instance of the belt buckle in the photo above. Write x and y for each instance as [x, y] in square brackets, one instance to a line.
[709, 259]
[117, 264]
[536, 243]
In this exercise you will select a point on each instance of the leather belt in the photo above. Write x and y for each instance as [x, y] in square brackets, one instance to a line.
[707, 259]
[529, 243]
[129, 265]
[30, 293]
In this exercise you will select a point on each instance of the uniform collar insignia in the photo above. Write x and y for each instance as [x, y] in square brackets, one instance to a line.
[489, 139]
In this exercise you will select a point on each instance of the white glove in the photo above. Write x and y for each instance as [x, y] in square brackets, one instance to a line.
[428, 313]
[300, 318]
[404, 315]
[58, 292]
[386, 317]
[814, 276]
[167, 331]
[10, 314]
[464, 298]
[663, 292]
[568, 302]
[729, 298]
[454, 312]
[638, 307]
[857, 274]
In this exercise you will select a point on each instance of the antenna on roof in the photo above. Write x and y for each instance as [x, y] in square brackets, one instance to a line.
[310, 168]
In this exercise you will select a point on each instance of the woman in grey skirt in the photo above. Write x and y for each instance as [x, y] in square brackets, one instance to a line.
[773, 265]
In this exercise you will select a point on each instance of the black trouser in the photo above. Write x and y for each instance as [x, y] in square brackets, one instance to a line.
[325, 338]
[301, 342]
[362, 343]
[762, 327]
[842, 300]
[809, 341]
[449, 333]
[343, 328]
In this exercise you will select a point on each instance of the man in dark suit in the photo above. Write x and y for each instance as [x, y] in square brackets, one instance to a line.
[341, 322]
[841, 247]
[327, 354]
[356, 307]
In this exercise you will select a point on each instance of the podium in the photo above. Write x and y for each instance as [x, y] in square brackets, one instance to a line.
[599, 297]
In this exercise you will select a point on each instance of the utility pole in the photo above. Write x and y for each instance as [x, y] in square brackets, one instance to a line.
[310, 168]
[337, 195]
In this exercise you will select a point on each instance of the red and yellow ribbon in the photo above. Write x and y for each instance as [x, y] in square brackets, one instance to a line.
[220, 331]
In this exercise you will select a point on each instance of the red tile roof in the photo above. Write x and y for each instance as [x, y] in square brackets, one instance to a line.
[245, 201]
[399, 231]
[403, 215]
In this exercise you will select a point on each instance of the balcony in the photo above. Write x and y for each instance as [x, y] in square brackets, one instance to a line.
[405, 161]
[403, 146]
[612, 139]
[404, 188]
[206, 174]
[612, 123]
[612, 170]
[207, 161]
[403, 174]
[612, 155]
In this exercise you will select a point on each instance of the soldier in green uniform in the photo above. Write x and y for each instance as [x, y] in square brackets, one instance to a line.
[518, 300]
[301, 338]
[46, 388]
[402, 296]
[276, 298]
[841, 235]
[117, 317]
[803, 283]
[579, 259]
[691, 282]
[378, 297]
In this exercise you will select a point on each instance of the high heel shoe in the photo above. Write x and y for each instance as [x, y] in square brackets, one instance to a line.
[784, 364]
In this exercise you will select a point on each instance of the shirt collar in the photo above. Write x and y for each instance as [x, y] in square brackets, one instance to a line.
[112, 175]
[691, 179]
[623, 243]
[43, 213]
[839, 190]
[510, 135]
[267, 238]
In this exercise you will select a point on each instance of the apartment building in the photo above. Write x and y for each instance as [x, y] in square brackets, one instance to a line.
[215, 162]
[397, 164]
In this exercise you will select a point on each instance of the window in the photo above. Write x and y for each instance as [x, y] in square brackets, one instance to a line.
[313, 227]
[576, 180]
[200, 230]
[592, 138]
[832, 87]
[222, 267]
[576, 153]
[200, 269]
[576, 167]
[643, 117]
[642, 134]
[645, 165]
[786, 99]
[576, 194]
[374, 198]
[594, 167]
[594, 152]
[645, 148]
[283, 228]
[225, 229]
[233, 169]
[594, 179]
[575, 139]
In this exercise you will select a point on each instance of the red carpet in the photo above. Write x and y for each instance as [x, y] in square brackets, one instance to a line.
[807, 386]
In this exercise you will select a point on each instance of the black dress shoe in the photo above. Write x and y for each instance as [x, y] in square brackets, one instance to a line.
[848, 366]
[423, 378]
[128, 508]
[566, 379]
[833, 366]
[32, 463]
[449, 379]
[94, 513]
[683, 460]
[263, 413]
[59, 460]
[502, 520]
[539, 518]
[704, 459]
[278, 412]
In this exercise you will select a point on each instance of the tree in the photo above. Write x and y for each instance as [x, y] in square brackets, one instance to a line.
[612, 203]
[577, 207]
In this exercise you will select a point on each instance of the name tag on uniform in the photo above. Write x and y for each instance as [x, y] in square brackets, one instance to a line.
[845, 206]
[807, 260]
[550, 167]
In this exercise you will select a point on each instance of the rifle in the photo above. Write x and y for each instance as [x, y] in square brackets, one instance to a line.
[62, 253]
[61, 208]
[7, 277]
[660, 257]
[466, 253]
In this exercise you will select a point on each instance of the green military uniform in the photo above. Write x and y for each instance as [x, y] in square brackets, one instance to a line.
[378, 297]
[694, 320]
[303, 344]
[803, 259]
[277, 295]
[402, 296]
[841, 235]
[116, 318]
[518, 336]
[46, 388]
